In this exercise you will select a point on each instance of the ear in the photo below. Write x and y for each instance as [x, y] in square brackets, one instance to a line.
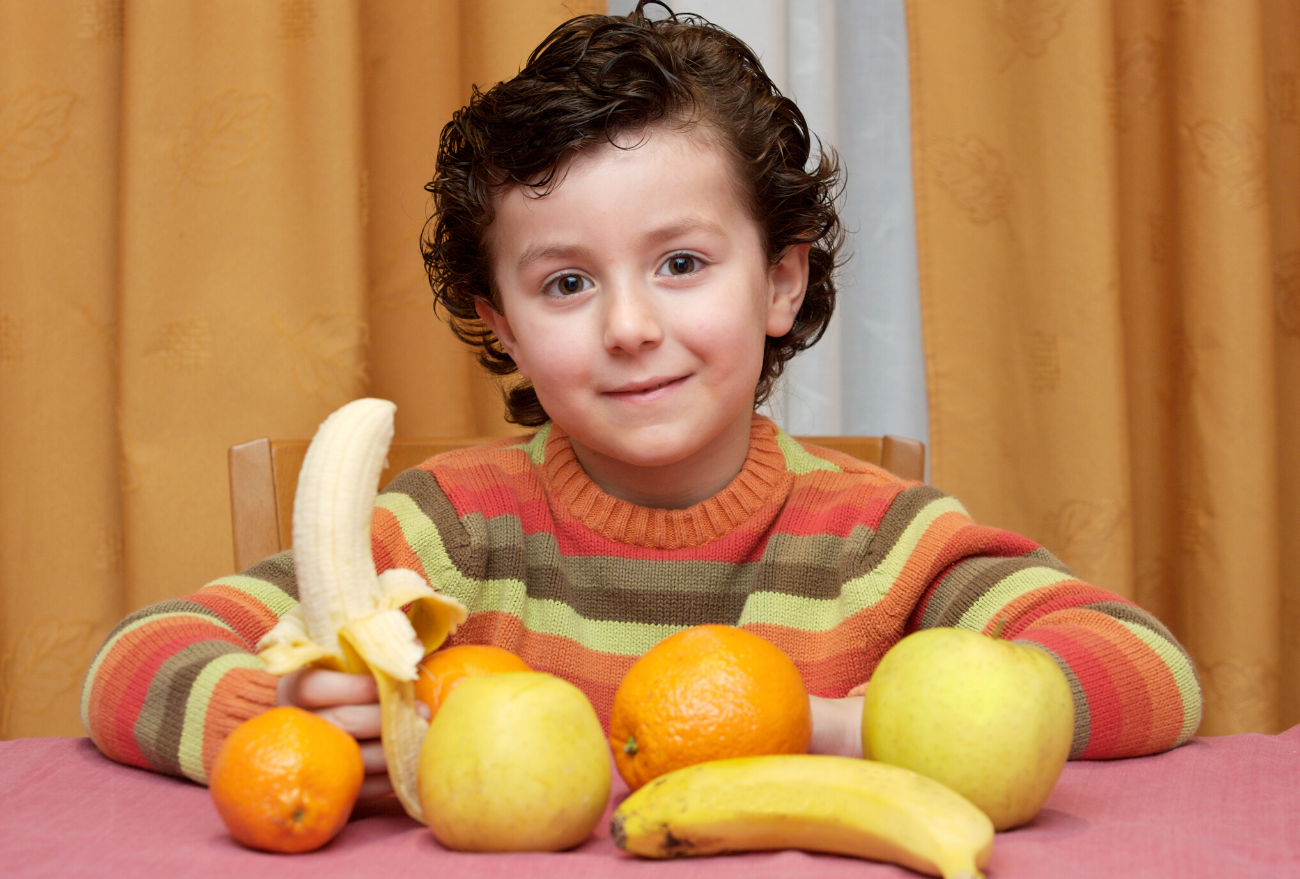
[500, 327]
[787, 285]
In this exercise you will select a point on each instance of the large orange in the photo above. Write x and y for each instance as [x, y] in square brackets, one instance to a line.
[442, 670]
[707, 693]
[286, 780]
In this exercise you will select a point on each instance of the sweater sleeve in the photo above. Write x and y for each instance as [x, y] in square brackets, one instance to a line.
[172, 680]
[1135, 688]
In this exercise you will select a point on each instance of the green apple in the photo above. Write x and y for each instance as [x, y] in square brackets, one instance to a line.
[991, 719]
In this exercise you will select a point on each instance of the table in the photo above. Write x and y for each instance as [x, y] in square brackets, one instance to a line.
[1221, 807]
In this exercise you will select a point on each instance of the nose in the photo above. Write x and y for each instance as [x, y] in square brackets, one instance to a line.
[631, 322]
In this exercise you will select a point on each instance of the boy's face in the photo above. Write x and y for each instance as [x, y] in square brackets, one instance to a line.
[636, 297]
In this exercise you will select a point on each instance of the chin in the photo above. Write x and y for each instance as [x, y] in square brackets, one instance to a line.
[641, 447]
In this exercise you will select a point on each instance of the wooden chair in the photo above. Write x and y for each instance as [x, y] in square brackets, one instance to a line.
[264, 477]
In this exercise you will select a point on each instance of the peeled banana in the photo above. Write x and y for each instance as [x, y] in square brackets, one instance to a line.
[839, 805]
[349, 619]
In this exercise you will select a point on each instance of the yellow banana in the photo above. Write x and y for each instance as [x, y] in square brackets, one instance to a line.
[839, 805]
[349, 619]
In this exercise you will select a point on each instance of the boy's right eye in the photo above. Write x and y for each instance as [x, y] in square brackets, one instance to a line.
[567, 285]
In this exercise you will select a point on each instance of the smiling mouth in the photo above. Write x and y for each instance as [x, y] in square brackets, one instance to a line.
[646, 390]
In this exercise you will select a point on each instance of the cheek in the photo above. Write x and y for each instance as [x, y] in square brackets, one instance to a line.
[551, 358]
[731, 334]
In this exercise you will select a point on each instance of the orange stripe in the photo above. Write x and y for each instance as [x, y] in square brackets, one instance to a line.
[1024, 610]
[389, 547]
[246, 615]
[936, 549]
[240, 694]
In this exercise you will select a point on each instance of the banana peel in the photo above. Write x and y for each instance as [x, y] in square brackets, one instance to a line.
[349, 618]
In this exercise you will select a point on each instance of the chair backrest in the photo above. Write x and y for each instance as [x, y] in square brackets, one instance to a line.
[264, 478]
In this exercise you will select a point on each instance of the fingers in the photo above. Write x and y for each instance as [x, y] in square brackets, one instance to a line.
[361, 721]
[318, 688]
[348, 701]
[372, 755]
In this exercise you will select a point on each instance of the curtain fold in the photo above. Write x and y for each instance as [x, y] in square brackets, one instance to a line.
[1107, 199]
[211, 214]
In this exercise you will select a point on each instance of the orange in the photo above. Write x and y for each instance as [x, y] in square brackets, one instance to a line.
[442, 670]
[707, 693]
[285, 781]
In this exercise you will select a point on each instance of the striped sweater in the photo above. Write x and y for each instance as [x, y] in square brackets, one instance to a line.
[831, 559]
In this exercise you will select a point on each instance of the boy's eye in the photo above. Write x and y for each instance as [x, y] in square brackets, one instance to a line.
[682, 264]
[567, 285]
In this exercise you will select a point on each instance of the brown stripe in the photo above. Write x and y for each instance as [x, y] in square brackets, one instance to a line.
[161, 720]
[637, 591]
[815, 566]
[968, 581]
[278, 571]
[667, 592]
[454, 534]
[901, 513]
[165, 608]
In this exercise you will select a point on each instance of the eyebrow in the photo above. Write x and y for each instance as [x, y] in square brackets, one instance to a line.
[677, 228]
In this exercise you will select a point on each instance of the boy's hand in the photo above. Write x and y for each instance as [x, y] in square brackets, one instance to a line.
[837, 726]
[351, 702]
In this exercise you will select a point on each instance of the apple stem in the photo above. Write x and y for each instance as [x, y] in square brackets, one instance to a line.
[1002, 624]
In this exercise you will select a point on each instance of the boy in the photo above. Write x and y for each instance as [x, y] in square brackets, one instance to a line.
[630, 224]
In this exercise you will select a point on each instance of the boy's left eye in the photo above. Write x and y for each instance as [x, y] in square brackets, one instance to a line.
[680, 264]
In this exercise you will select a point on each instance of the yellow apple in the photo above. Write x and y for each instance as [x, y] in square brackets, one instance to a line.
[514, 761]
[991, 719]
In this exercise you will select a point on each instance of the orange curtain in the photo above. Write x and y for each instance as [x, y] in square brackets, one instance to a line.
[1108, 203]
[210, 215]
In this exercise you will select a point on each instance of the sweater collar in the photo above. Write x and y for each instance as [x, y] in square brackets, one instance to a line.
[762, 483]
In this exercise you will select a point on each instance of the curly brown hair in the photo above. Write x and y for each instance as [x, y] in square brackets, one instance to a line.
[593, 79]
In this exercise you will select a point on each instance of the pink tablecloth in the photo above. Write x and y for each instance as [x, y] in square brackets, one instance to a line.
[1221, 807]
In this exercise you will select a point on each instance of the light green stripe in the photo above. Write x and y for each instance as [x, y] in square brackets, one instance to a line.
[605, 636]
[111, 642]
[536, 447]
[422, 536]
[1184, 676]
[891, 567]
[815, 614]
[267, 593]
[1005, 591]
[196, 710]
[799, 460]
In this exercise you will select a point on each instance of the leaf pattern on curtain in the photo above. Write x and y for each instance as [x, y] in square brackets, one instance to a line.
[32, 126]
[975, 177]
[43, 662]
[325, 350]
[1233, 154]
[222, 133]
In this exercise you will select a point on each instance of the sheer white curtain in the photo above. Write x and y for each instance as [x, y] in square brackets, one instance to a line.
[845, 63]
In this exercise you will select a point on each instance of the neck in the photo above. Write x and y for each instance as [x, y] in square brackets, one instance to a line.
[675, 486]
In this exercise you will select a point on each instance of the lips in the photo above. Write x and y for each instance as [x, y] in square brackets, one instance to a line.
[647, 388]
